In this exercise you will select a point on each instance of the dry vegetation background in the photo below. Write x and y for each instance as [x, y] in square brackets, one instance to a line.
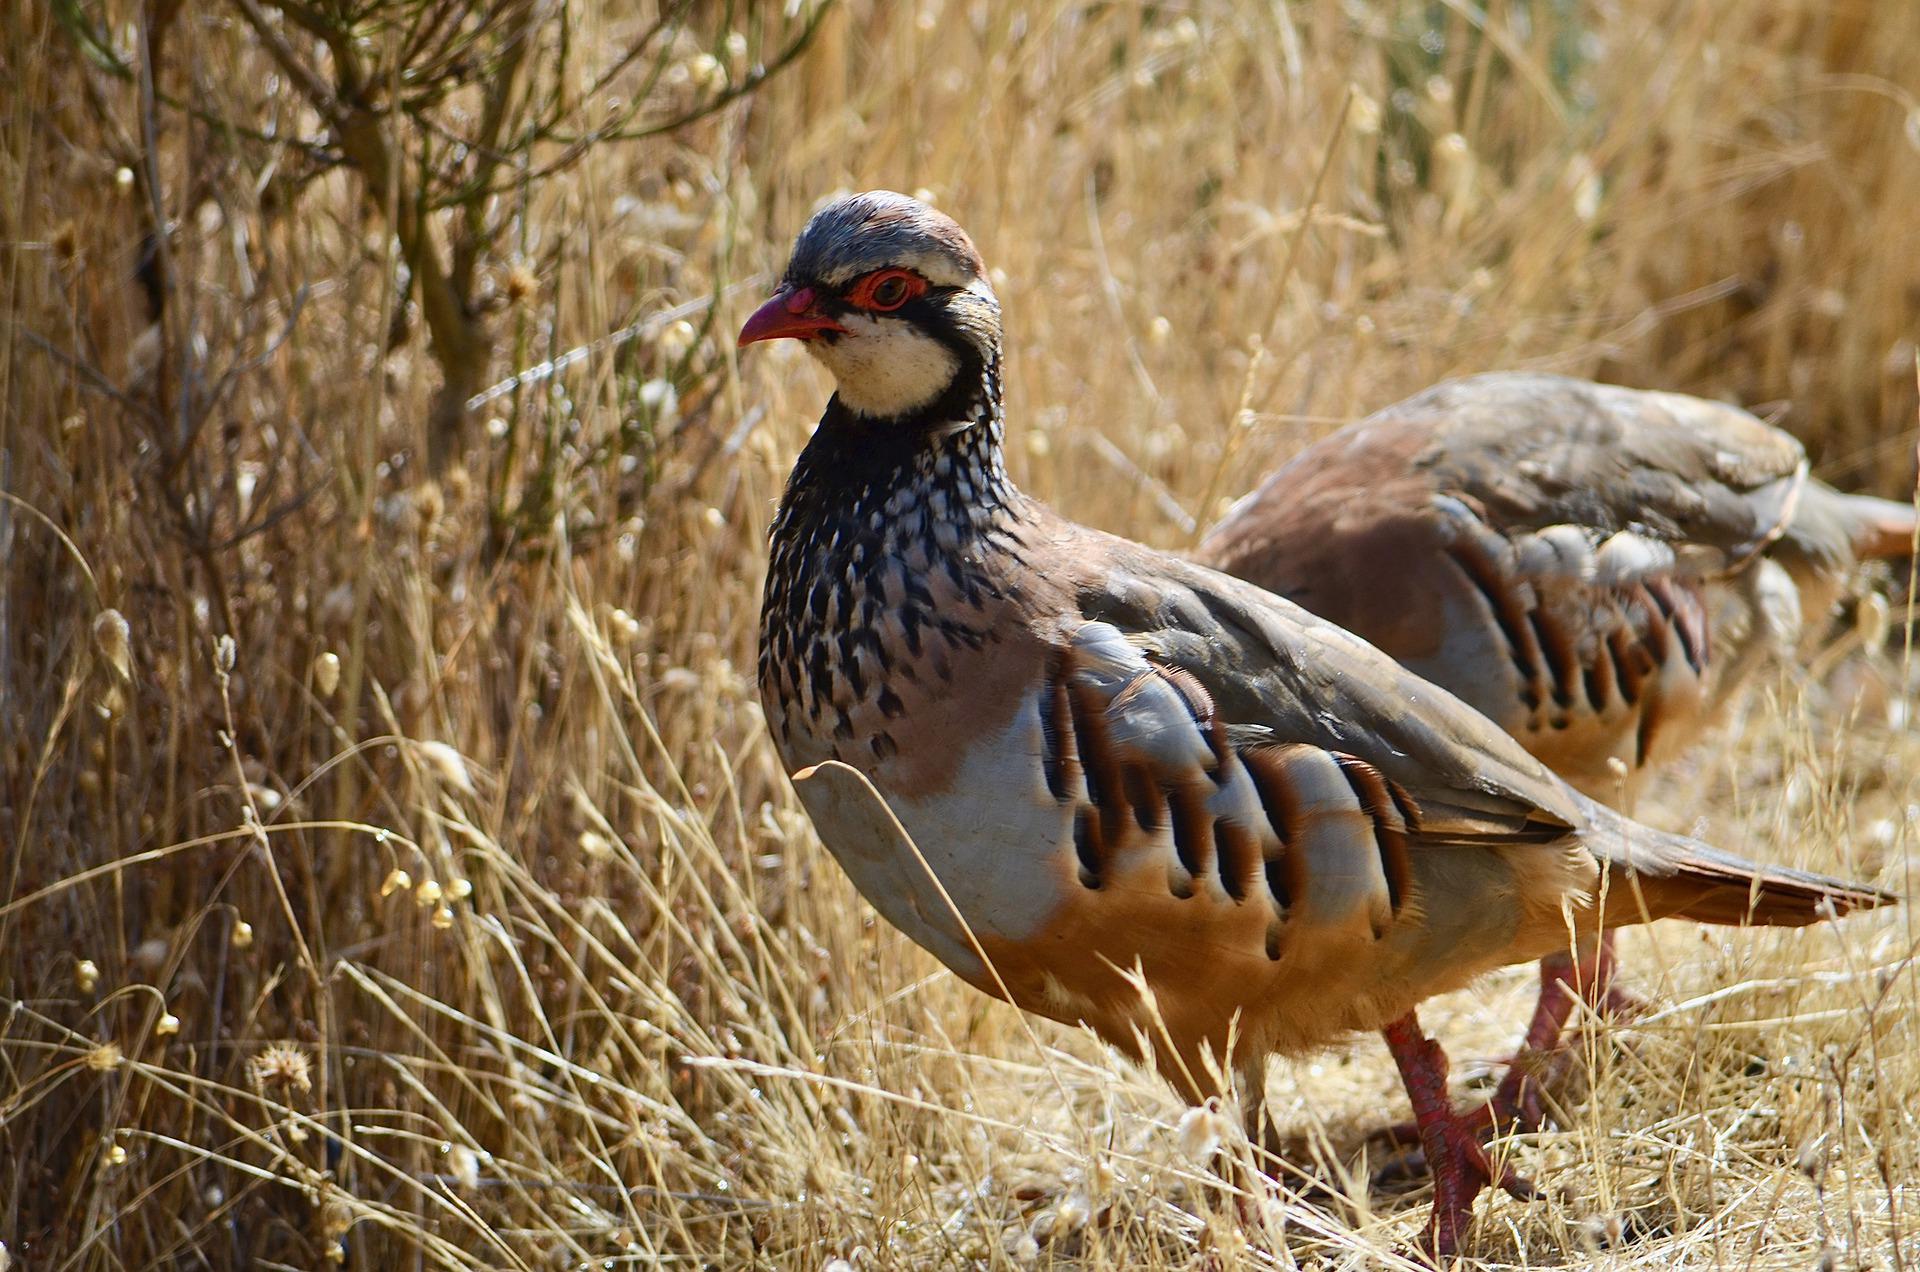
[393, 868]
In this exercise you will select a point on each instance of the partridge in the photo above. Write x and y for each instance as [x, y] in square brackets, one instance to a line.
[1596, 569]
[1122, 789]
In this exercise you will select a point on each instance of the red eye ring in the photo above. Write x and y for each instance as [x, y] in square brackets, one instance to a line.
[886, 289]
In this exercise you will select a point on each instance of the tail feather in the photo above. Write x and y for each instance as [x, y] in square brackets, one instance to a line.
[1882, 528]
[1837, 531]
[1663, 875]
[1714, 887]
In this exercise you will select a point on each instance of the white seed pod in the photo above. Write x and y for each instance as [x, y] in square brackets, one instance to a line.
[464, 1165]
[1200, 1131]
[112, 637]
[326, 674]
[623, 627]
[448, 763]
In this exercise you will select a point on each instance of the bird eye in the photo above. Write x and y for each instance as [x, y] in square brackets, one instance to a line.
[887, 289]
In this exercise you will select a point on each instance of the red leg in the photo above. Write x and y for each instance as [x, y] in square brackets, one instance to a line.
[1544, 1055]
[1461, 1167]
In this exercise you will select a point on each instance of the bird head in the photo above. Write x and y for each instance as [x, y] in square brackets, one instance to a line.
[892, 297]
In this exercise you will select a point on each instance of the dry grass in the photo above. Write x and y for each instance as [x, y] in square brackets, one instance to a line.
[457, 914]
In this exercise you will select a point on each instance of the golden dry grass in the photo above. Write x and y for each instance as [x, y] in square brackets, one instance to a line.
[457, 913]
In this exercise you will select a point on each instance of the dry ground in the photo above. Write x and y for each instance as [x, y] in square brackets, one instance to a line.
[456, 913]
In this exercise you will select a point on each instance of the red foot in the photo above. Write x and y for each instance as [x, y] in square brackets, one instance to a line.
[1462, 1170]
[1545, 1053]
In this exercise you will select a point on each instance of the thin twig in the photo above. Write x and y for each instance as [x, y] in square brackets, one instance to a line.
[645, 326]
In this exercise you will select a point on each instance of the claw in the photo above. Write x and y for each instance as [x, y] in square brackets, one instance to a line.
[1462, 1167]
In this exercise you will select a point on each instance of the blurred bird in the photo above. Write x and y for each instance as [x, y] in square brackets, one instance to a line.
[1118, 788]
[1596, 569]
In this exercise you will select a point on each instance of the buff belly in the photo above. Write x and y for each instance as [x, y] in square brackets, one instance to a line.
[984, 875]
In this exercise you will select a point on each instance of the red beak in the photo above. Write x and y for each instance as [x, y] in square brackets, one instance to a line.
[789, 314]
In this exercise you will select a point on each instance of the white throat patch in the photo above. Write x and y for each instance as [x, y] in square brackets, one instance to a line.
[885, 367]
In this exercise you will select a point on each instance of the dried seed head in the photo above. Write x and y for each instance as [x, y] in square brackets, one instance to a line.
[707, 72]
[167, 1026]
[448, 763]
[464, 1165]
[86, 974]
[1200, 1131]
[459, 890]
[519, 284]
[327, 673]
[430, 504]
[104, 1058]
[1365, 113]
[242, 934]
[224, 654]
[1873, 619]
[443, 918]
[111, 638]
[396, 881]
[116, 1156]
[676, 340]
[284, 1066]
[623, 627]
[428, 893]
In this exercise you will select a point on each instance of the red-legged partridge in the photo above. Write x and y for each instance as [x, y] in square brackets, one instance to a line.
[1594, 568]
[1138, 793]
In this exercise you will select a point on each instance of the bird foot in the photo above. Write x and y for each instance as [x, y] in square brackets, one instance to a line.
[1463, 1171]
[1518, 1104]
[1462, 1167]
